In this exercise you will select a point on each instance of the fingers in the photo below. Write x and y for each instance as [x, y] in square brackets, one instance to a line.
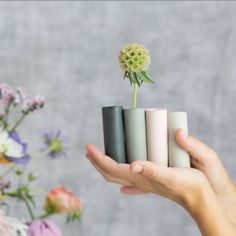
[200, 152]
[130, 190]
[109, 166]
[106, 176]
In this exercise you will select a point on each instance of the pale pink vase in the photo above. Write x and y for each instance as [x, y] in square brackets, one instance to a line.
[156, 128]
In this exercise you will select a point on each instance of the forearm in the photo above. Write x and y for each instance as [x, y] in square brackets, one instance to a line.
[210, 218]
[227, 201]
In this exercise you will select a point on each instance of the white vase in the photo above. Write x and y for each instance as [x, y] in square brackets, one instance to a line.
[156, 128]
[177, 156]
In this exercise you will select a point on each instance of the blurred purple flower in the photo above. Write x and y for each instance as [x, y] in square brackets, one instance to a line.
[55, 142]
[15, 136]
[44, 228]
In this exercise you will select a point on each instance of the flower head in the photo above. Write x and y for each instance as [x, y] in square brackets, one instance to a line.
[26, 157]
[44, 228]
[11, 226]
[55, 143]
[20, 96]
[62, 200]
[12, 149]
[134, 58]
[17, 227]
[36, 103]
[5, 229]
[9, 148]
[7, 94]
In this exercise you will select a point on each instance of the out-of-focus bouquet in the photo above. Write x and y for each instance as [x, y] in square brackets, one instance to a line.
[14, 153]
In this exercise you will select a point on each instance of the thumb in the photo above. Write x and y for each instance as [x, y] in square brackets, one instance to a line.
[151, 171]
[200, 153]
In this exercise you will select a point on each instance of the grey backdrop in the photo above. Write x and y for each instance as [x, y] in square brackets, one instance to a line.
[67, 51]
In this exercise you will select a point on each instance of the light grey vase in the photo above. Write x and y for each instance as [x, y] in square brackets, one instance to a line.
[135, 134]
[177, 156]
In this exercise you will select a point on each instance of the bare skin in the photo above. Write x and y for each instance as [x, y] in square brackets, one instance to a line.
[205, 191]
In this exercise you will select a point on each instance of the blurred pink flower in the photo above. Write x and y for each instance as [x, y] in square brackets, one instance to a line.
[62, 200]
[44, 228]
[20, 96]
[33, 105]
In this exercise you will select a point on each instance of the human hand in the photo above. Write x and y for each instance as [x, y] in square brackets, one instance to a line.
[186, 186]
[178, 184]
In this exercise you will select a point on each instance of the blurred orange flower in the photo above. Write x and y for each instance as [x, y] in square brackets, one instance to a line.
[63, 201]
[3, 160]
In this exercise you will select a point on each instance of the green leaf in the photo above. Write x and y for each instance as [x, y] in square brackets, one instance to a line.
[145, 77]
[32, 177]
[132, 78]
[136, 79]
[125, 75]
[129, 77]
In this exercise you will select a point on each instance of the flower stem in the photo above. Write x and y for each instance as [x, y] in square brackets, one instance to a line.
[7, 111]
[43, 216]
[9, 170]
[28, 207]
[40, 154]
[135, 96]
[13, 127]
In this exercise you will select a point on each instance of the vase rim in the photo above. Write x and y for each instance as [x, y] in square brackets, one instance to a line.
[156, 109]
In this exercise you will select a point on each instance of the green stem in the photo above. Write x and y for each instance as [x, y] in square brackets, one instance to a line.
[40, 154]
[13, 127]
[24, 199]
[135, 96]
[8, 171]
[43, 216]
[7, 111]
[28, 207]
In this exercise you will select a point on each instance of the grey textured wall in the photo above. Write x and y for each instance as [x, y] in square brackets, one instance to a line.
[68, 52]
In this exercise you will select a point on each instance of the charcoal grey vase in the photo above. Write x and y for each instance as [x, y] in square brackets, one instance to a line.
[135, 134]
[113, 132]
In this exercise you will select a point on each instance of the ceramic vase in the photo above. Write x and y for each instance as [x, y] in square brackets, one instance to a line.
[177, 156]
[135, 134]
[113, 132]
[156, 128]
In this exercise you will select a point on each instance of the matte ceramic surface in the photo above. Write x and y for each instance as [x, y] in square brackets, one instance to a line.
[177, 156]
[135, 134]
[156, 128]
[113, 131]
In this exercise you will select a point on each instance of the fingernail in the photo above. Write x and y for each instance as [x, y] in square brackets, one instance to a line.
[138, 168]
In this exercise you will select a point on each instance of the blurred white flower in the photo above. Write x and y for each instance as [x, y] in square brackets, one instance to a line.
[11, 226]
[9, 147]
[17, 227]
[5, 229]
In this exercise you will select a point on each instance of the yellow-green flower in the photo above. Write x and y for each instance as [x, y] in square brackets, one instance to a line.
[134, 58]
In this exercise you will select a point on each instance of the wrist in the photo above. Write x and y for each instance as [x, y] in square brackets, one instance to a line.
[209, 216]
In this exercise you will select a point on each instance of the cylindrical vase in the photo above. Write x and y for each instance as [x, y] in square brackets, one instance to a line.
[113, 132]
[177, 156]
[135, 134]
[156, 128]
